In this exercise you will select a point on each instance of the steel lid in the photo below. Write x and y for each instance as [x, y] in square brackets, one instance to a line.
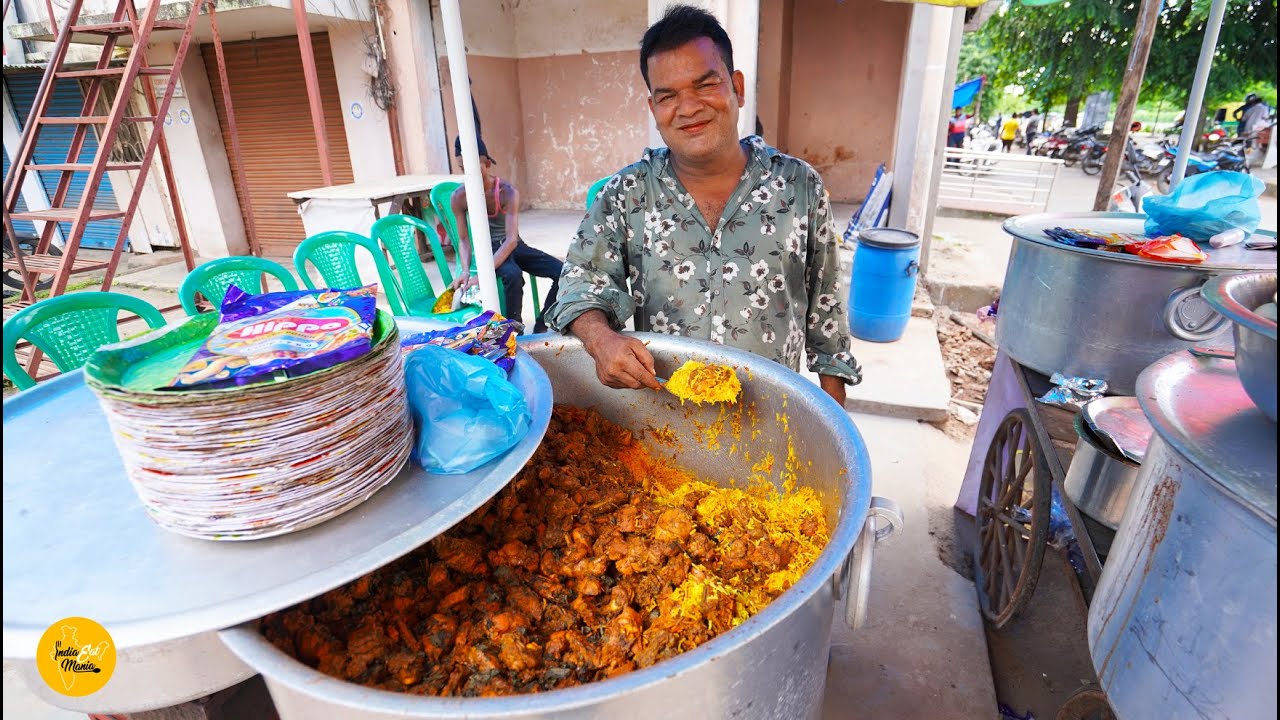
[77, 541]
[1198, 406]
[1119, 424]
[888, 238]
[1235, 257]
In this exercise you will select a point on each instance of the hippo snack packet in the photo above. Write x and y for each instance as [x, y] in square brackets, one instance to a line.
[281, 335]
[488, 335]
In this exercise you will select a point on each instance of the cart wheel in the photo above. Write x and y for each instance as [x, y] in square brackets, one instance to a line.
[1088, 704]
[1012, 520]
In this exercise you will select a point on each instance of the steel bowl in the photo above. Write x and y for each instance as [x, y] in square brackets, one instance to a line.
[771, 666]
[1238, 297]
[1099, 481]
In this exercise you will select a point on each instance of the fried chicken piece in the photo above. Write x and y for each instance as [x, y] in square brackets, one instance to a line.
[674, 524]
[439, 636]
[366, 644]
[460, 554]
[517, 654]
[405, 667]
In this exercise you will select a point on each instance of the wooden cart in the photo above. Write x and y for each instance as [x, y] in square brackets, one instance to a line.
[1022, 508]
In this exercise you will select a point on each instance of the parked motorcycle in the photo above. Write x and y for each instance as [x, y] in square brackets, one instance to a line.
[1053, 145]
[1080, 144]
[1230, 156]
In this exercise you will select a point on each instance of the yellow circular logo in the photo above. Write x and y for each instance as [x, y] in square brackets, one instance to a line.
[76, 656]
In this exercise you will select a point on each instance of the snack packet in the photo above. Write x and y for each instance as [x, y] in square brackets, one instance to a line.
[282, 335]
[488, 335]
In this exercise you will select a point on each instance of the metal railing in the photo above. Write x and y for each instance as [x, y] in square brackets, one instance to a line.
[1006, 183]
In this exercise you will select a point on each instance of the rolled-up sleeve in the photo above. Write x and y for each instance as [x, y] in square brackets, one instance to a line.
[827, 339]
[595, 272]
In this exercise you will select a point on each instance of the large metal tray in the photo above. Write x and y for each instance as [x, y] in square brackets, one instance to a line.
[77, 541]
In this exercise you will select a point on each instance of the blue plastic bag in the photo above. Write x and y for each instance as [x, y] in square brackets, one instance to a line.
[1204, 205]
[465, 410]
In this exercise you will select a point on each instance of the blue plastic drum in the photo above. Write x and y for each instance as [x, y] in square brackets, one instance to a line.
[885, 266]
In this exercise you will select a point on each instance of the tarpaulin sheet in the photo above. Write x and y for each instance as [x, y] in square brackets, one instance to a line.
[965, 93]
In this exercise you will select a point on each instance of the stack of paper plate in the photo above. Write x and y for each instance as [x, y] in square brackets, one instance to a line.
[260, 460]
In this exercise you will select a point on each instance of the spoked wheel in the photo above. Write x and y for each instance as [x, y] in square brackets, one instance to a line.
[1012, 519]
[1092, 165]
[1088, 704]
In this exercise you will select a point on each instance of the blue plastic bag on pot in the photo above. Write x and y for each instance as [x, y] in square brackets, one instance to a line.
[1204, 205]
[465, 410]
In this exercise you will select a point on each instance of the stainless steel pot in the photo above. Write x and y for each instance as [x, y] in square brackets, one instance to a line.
[771, 666]
[1099, 481]
[1183, 622]
[1098, 314]
[1238, 297]
[152, 676]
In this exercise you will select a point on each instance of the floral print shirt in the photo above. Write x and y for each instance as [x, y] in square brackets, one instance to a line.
[765, 279]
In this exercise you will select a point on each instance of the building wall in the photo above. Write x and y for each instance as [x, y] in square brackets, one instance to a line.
[845, 77]
[368, 130]
[560, 97]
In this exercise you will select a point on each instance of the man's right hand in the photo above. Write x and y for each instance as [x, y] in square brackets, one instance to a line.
[621, 361]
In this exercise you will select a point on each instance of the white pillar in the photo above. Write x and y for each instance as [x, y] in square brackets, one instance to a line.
[451, 18]
[924, 102]
[741, 21]
[412, 51]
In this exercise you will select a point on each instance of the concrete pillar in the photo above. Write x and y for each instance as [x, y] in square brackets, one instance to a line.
[741, 20]
[411, 48]
[928, 79]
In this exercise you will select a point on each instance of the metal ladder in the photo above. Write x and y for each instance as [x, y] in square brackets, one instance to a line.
[125, 22]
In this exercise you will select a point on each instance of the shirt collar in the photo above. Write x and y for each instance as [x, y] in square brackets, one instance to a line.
[761, 155]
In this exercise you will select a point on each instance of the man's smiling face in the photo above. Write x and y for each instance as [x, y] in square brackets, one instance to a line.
[695, 100]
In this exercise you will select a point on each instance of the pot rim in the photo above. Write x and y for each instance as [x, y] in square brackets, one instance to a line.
[1030, 229]
[246, 642]
[1220, 293]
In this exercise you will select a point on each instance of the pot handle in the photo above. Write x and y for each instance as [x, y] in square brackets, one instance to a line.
[853, 582]
[1189, 318]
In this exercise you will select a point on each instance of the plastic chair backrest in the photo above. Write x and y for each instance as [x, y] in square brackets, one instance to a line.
[70, 328]
[442, 202]
[594, 191]
[396, 234]
[214, 277]
[333, 253]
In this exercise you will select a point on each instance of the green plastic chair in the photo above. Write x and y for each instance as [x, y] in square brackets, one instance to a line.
[396, 234]
[70, 328]
[214, 277]
[594, 191]
[442, 202]
[333, 254]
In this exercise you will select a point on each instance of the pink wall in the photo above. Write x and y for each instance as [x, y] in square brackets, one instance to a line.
[585, 117]
[495, 84]
[845, 74]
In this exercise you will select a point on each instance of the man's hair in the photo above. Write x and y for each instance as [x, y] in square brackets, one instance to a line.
[679, 25]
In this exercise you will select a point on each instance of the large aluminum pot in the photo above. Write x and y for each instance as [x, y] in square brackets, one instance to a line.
[149, 677]
[1099, 481]
[1097, 314]
[771, 666]
[1183, 622]
[1238, 297]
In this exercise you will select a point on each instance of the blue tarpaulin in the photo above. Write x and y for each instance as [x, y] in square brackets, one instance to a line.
[966, 92]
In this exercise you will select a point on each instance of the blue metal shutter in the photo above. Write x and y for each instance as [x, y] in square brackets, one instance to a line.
[55, 141]
[22, 227]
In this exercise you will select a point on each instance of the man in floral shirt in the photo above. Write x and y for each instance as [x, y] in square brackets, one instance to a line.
[764, 278]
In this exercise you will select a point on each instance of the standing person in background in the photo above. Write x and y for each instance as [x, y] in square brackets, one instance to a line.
[1033, 127]
[1251, 117]
[512, 258]
[1009, 131]
[956, 129]
[712, 237]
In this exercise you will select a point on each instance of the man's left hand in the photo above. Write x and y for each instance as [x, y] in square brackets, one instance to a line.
[833, 386]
